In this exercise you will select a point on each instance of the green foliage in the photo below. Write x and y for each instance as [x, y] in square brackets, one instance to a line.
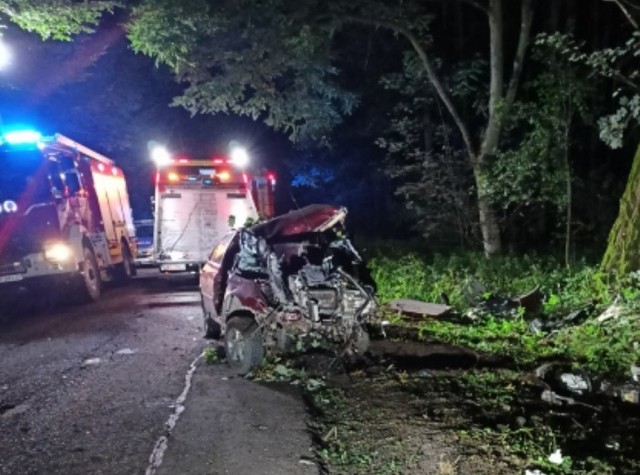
[433, 177]
[56, 19]
[258, 59]
[606, 349]
[211, 355]
[609, 347]
[534, 169]
[619, 64]
[406, 274]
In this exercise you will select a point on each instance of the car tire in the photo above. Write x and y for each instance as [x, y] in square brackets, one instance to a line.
[243, 344]
[212, 328]
[90, 283]
[362, 342]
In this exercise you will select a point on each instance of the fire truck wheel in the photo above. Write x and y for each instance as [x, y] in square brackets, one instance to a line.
[126, 269]
[243, 344]
[91, 285]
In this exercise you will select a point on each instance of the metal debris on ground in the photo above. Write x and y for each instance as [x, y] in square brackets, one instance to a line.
[418, 309]
[576, 383]
[556, 457]
[612, 312]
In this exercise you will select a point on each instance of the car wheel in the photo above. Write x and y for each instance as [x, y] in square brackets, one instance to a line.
[362, 342]
[91, 284]
[243, 344]
[211, 327]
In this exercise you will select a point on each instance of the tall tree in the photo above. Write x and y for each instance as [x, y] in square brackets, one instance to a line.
[623, 248]
[271, 60]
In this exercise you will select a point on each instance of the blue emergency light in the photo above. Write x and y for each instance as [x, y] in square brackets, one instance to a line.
[21, 137]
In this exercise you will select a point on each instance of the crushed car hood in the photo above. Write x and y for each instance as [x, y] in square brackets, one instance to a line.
[312, 218]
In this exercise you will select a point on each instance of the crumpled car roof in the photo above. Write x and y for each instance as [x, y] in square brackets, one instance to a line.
[311, 218]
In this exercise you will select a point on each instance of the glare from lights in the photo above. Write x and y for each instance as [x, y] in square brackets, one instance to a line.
[57, 252]
[224, 176]
[172, 176]
[17, 137]
[9, 206]
[239, 157]
[161, 156]
[5, 55]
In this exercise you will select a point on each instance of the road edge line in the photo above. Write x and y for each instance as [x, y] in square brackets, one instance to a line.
[161, 445]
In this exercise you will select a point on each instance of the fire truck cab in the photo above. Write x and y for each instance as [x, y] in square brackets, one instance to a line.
[65, 216]
[197, 202]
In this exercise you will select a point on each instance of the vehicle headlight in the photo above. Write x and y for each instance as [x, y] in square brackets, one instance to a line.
[57, 252]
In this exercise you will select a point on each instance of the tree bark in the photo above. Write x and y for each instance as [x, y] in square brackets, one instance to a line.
[623, 248]
[489, 226]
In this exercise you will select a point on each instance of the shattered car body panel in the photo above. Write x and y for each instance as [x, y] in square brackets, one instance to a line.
[298, 276]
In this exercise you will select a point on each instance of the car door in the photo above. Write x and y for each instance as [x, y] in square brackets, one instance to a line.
[213, 274]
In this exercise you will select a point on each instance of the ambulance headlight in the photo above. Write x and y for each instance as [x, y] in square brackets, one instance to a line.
[57, 252]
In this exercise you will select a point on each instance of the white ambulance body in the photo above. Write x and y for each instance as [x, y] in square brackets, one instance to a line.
[196, 203]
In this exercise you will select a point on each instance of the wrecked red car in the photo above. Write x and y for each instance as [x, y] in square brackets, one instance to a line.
[283, 283]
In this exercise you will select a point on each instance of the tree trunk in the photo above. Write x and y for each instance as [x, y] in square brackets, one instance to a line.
[569, 215]
[623, 249]
[489, 226]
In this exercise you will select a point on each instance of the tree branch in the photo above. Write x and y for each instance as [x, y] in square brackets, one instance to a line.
[494, 127]
[431, 73]
[477, 5]
[523, 42]
[626, 13]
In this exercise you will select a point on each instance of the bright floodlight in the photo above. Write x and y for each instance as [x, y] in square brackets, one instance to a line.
[5, 55]
[161, 156]
[239, 157]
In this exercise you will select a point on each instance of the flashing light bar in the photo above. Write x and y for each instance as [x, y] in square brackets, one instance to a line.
[21, 137]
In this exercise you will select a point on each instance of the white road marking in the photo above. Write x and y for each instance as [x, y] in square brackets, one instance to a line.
[125, 351]
[91, 361]
[155, 459]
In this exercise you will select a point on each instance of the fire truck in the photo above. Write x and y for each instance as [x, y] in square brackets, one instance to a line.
[65, 216]
[199, 201]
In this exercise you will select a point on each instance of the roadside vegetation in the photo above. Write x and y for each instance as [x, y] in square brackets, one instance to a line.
[573, 298]
[445, 418]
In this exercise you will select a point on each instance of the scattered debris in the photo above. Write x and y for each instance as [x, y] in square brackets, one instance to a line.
[552, 398]
[635, 373]
[416, 308]
[612, 312]
[576, 383]
[306, 461]
[125, 351]
[629, 393]
[556, 457]
[91, 361]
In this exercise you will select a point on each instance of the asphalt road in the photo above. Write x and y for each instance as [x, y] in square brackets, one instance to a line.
[119, 387]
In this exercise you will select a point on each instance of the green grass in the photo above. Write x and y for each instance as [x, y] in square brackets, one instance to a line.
[608, 348]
